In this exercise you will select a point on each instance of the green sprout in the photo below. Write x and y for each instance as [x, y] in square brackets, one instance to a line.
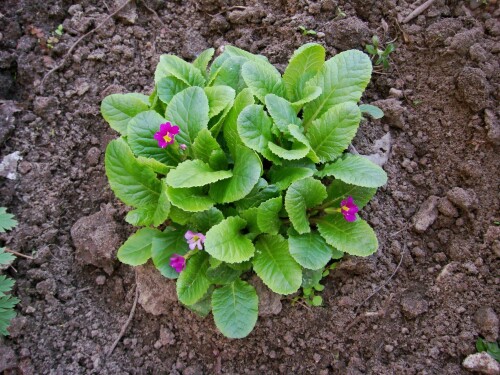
[381, 56]
[306, 31]
[339, 13]
[489, 347]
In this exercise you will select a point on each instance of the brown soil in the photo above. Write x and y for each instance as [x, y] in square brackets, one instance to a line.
[445, 137]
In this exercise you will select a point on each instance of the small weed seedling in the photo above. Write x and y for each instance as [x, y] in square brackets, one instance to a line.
[234, 170]
[489, 347]
[7, 302]
[339, 13]
[379, 55]
[306, 31]
[54, 38]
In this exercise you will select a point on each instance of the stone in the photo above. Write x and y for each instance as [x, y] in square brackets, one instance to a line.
[493, 126]
[96, 240]
[8, 359]
[128, 15]
[426, 215]
[464, 199]
[447, 208]
[7, 110]
[487, 323]
[156, 292]
[413, 305]
[482, 363]
[382, 149]
[269, 302]
[347, 33]
[8, 166]
[167, 337]
[393, 111]
[472, 86]
[93, 155]
[219, 24]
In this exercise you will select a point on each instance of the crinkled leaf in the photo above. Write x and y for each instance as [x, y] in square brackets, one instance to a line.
[203, 221]
[155, 165]
[204, 144]
[268, 215]
[189, 199]
[254, 127]
[225, 241]
[330, 135]
[342, 79]
[132, 183]
[275, 266]
[235, 51]
[282, 112]
[192, 284]
[203, 59]
[203, 307]
[141, 131]
[371, 110]
[193, 173]
[310, 93]
[7, 221]
[355, 238]
[171, 65]
[311, 278]
[250, 216]
[189, 111]
[137, 249]
[231, 136]
[219, 98]
[301, 195]
[356, 170]
[246, 172]
[119, 109]
[164, 245]
[261, 192]
[304, 64]
[235, 309]
[168, 87]
[339, 190]
[299, 138]
[309, 250]
[297, 152]
[229, 73]
[222, 274]
[284, 176]
[263, 79]
[178, 215]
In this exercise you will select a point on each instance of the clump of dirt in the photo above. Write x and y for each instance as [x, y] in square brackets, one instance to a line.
[436, 283]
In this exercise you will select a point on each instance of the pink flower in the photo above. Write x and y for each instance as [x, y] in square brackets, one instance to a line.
[349, 209]
[166, 134]
[194, 240]
[177, 262]
[182, 146]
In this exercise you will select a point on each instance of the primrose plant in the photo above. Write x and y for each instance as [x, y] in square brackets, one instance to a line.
[236, 170]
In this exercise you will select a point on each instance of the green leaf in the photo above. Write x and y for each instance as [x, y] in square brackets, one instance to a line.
[201, 62]
[342, 79]
[355, 238]
[250, 216]
[163, 246]
[141, 131]
[268, 215]
[254, 128]
[193, 173]
[189, 199]
[372, 111]
[119, 109]
[6, 285]
[339, 190]
[261, 192]
[178, 215]
[282, 112]
[7, 313]
[155, 165]
[137, 249]
[168, 87]
[235, 309]
[246, 172]
[132, 183]
[204, 144]
[229, 74]
[203, 307]
[203, 221]
[311, 278]
[297, 152]
[225, 242]
[231, 136]
[235, 51]
[300, 138]
[356, 170]
[330, 135]
[219, 98]
[7, 221]
[310, 93]
[6, 258]
[162, 209]
[284, 176]
[171, 65]
[189, 111]
[222, 274]
[263, 79]
[317, 301]
[303, 194]
[275, 266]
[309, 250]
[192, 283]
[304, 64]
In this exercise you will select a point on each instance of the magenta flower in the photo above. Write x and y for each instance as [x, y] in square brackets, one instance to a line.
[194, 240]
[349, 209]
[166, 134]
[182, 146]
[178, 262]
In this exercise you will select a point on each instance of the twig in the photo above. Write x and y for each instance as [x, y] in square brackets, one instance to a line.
[385, 282]
[57, 67]
[125, 326]
[235, 7]
[18, 254]
[419, 10]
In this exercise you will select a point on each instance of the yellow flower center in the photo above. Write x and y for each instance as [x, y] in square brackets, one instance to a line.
[344, 208]
[167, 137]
